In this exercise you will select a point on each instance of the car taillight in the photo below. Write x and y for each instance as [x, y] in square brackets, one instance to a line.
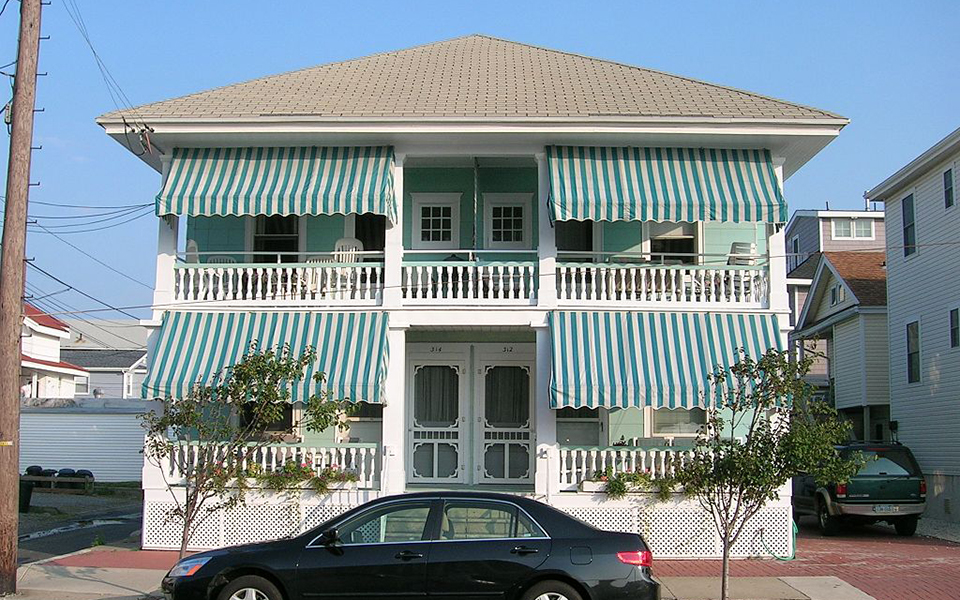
[841, 490]
[640, 558]
[923, 488]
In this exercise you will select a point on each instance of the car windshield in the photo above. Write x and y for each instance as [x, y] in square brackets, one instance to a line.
[886, 462]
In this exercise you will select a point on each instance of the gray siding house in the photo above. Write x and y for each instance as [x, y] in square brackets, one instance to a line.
[923, 292]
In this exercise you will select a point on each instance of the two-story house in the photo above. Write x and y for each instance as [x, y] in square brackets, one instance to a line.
[923, 310]
[808, 235]
[844, 319]
[524, 263]
[44, 374]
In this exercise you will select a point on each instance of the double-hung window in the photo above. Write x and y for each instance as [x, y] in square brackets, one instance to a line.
[909, 226]
[436, 221]
[81, 384]
[948, 188]
[793, 261]
[913, 352]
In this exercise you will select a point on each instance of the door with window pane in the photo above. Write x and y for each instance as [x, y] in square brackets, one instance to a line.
[505, 432]
[436, 424]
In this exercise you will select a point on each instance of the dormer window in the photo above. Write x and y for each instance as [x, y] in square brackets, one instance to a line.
[837, 294]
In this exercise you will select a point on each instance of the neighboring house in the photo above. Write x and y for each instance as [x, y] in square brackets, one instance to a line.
[86, 415]
[846, 311]
[44, 374]
[808, 234]
[523, 263]
[113, 351]
[923, 315]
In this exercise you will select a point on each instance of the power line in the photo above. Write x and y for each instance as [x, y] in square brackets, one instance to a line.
[95, 259]
[81, 292]
[57, 304]
[97, 219]
[133, 218]
[61, 205]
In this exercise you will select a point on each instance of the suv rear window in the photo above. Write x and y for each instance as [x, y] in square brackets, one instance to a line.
[886, 462]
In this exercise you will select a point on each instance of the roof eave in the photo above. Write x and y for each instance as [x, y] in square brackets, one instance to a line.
[915, 168]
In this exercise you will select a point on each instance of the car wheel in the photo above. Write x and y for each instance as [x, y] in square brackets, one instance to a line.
[796, 517]
[906, 526]
[829, 525]
[551, 590]
[250, 587]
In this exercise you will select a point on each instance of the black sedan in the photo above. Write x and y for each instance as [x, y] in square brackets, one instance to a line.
[440, 545]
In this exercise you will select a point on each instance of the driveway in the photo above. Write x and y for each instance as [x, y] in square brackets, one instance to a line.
[873, 559]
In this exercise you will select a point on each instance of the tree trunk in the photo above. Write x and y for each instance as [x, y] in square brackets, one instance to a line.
[188, 515]
[725, 578]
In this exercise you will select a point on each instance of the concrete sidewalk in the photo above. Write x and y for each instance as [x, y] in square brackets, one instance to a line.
[121, 574]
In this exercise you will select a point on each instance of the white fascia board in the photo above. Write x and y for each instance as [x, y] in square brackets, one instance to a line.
[29, 364]
[57, 333]
[799, 281]
[811, 294]
[914, 169]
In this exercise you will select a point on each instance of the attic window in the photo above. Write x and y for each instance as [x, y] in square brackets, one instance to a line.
[837, 294]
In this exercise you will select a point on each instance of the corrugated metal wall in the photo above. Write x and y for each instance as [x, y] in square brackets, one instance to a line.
[107, 444]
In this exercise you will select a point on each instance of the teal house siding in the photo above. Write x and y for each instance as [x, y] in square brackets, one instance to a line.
[218, 234]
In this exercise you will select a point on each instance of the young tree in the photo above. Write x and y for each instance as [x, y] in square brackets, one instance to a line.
[764, 431]
[211, 436]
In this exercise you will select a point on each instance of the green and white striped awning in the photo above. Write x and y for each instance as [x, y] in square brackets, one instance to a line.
[192, 347]
[279, 181]
[639, 359]
[663, 184]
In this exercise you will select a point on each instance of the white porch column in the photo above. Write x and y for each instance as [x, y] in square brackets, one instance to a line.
[548, 454]
[776, 257]
[547, 291]
[169, 226]
[393, 477]
[393, 244]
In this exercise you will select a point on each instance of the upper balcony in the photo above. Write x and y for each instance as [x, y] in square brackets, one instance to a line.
[474, 232]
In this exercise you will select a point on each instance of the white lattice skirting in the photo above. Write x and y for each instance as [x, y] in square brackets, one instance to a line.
[673, 529]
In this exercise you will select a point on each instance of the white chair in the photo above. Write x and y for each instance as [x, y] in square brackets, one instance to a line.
[221, 259]
[742, 254]
[316, 282]
[192, 254]
[346, 279]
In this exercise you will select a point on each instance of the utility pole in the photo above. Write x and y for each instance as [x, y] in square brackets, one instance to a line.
[11, 285]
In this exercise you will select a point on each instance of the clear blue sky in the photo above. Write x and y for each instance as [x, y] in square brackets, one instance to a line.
[891, 67]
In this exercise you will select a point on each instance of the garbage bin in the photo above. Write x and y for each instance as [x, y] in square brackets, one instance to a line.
[26, 494]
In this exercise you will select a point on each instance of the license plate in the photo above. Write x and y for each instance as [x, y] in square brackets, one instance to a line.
[886, 508]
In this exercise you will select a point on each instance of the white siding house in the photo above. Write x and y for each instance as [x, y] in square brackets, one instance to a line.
[845, 313]
[923, 276]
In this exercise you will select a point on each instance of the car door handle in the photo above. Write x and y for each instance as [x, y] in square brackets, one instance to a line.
[407, 555]
[521, 550]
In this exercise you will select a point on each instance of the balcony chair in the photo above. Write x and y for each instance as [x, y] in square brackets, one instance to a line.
[216, 281]
[341, 281]
[740, 283]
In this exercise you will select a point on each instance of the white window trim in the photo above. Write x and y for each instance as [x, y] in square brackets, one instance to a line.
[421, 199]
[492, 200]
[833, 228]
[599, 420]
[873, 229]
[76, 386]
[906, 350]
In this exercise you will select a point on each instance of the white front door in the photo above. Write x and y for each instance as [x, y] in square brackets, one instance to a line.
[470, 419]
[437, 421]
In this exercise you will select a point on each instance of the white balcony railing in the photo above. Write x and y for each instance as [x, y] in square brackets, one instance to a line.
[362, 459]
[583, 463]
[468, 278]
[636, 280]
[319, 280]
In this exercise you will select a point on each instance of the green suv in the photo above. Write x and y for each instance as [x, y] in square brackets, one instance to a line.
[889, 487]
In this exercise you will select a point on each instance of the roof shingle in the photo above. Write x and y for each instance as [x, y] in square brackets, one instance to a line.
[864, 272]
[476, 77]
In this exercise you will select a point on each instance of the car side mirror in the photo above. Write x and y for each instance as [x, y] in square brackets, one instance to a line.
[330, 536]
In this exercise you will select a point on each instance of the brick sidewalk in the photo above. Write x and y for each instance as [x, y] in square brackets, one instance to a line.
[872, 559]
